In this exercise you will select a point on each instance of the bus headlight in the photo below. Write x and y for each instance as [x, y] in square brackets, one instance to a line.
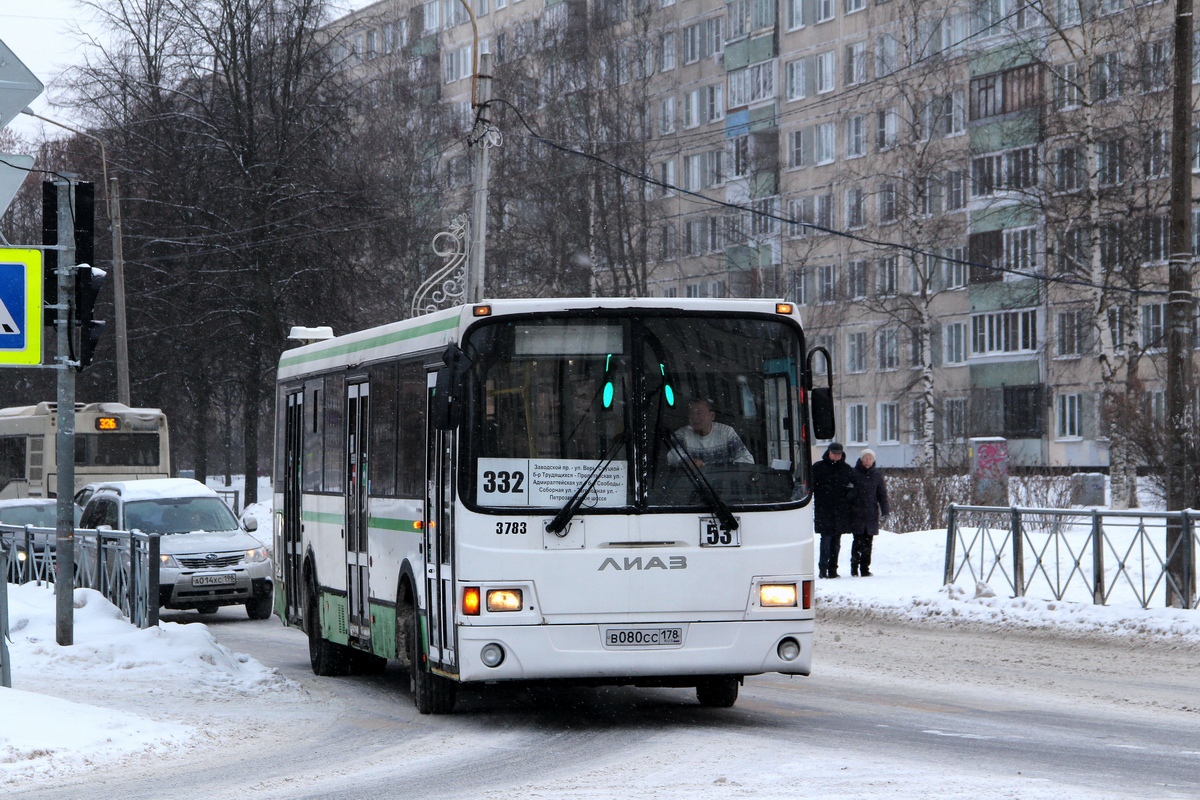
[777, 595]
[504, 600]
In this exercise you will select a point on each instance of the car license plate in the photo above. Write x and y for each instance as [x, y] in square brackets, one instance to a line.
[643, 637]
[222, 579]
[711, 534]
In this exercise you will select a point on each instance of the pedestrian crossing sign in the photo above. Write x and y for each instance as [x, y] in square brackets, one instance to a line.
[20, 306]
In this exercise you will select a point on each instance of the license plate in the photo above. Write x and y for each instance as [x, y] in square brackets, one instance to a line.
[711, 534]
[643, 637]
[223, 579]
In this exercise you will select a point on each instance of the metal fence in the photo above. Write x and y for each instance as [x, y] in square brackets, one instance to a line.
[121, 565]
[1077, 555]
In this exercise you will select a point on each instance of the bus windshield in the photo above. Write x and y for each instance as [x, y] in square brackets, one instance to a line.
[650, 412]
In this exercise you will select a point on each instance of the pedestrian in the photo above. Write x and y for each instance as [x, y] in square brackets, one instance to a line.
[833, 505]
[870, 499]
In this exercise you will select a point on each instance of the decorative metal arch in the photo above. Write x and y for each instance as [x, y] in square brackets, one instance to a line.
[448, 284]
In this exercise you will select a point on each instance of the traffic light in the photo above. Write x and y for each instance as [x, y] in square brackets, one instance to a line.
[85, 235]
[88, 282]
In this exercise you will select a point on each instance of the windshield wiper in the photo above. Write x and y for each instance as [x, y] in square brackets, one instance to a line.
[716, 505]
[564, 515]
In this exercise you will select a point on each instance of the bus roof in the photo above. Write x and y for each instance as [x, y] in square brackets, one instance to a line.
[433, 332]
[47, 408]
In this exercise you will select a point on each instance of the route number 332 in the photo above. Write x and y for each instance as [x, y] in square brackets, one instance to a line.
[503, 482]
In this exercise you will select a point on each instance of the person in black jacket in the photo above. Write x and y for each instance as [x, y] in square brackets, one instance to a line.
[871, 498]
[833, 505]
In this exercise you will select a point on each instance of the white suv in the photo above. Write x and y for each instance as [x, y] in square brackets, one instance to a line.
[208, 560]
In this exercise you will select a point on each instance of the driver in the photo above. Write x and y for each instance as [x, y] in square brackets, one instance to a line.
[708, 442]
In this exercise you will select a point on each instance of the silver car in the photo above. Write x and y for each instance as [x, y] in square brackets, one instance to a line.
[37, 512]
[207, 559]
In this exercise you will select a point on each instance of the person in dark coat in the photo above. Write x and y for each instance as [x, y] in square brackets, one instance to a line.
[870, 499]
[833, 505]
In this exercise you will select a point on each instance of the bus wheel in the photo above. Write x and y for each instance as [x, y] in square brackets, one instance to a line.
[717, 692]
[325, 657]
[260, 608]
[432, 694]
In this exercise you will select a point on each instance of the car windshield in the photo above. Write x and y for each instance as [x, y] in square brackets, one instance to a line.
[42, 515]
[615, 403]
[179, 515]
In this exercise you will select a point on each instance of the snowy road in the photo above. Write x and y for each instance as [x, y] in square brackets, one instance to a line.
[894, 710]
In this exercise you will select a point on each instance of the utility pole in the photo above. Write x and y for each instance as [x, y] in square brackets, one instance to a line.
[118, 256]
[1180, 478]
[482, 139]
[64, 579]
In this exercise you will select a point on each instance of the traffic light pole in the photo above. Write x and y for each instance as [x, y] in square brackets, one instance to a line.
[64, 579]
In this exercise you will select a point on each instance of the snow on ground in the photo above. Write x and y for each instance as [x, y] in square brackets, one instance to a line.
[42, 735]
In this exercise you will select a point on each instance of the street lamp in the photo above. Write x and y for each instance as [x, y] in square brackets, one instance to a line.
[112, 199]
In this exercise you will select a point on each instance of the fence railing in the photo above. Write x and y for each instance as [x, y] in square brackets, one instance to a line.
[1076, 555]
[121, 565]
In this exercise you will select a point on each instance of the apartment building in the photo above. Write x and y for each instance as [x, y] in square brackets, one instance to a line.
[968, 200]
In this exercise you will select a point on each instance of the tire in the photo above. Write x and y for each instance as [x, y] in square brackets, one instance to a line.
[207, 608]
[432, 694]
[717, 692]
[327, 659]
[260, 607]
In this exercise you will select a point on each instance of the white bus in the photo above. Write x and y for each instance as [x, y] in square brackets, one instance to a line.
[505, 492]
[113, 442]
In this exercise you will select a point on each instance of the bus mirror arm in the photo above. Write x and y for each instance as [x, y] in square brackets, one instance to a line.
[821, 398]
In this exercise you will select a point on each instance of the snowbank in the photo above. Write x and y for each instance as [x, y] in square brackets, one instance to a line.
[42, 735]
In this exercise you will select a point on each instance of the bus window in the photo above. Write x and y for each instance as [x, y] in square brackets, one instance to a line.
[12, 459]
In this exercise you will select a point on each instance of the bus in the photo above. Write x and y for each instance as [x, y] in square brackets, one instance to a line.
[504, 492]
[113, 442]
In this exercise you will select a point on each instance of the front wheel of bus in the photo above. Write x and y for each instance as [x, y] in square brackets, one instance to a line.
[717, 692]
[327, 658]
[432, 694]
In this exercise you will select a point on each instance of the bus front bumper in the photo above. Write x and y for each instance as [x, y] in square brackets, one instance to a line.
[599, 652]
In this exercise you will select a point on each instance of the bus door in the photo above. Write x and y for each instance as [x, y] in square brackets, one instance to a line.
[439, 541]
[358, 434]
[293, 452]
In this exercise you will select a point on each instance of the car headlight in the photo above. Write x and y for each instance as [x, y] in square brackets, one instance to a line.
[167, 561]
[257, 555]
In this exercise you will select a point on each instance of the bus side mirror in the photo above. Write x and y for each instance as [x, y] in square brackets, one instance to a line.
[448, 389]
[821, 399]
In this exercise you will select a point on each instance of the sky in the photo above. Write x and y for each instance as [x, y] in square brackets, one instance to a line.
[49, 37]
[59, 737]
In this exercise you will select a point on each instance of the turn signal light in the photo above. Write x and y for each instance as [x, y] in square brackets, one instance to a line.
[783, 308]
[504, 600]
[470, 604]
[482, 311]
[807, 589]
[777, 595]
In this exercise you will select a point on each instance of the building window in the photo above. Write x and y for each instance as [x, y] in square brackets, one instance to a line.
[826, 284]
[956, 190]
[1106, 77]
[666, 52]
[856, 136]
[1005, 92]
[887, 125]
[1020, 250]
[824, 10]
[1004, 332]
[955, 270]
[856, 423]
[889, 268]
[954, 335]
[888, 349]
[917, 420]
[1110, 157]
[1070, 416]
[856, 352]
[954, 418]
[1155, 65]
[888, 203]
[1154, 326]
[855, 205]
[825, 73]
[1069, 174]
[826, 139]
[1072, 252]
[666, 115]
[855, 62]
[887, 55]
[1156, 239]
[1067, 91]
[1072, 334]
[856, 279]
[889, 423]
[1158, 154]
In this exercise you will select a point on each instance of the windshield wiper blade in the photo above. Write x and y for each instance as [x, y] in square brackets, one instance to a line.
[564, 515]
[715, 504]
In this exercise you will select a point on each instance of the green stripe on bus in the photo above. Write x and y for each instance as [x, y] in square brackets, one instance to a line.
[388, 524]
[321, 516]
[367, 344]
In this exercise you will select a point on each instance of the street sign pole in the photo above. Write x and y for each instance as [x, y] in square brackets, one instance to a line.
[64, 580]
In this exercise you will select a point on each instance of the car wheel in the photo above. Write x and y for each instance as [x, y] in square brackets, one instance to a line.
[717, 692]
[432, 694]
[208, 608]
[327, 659]
[260, 608]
